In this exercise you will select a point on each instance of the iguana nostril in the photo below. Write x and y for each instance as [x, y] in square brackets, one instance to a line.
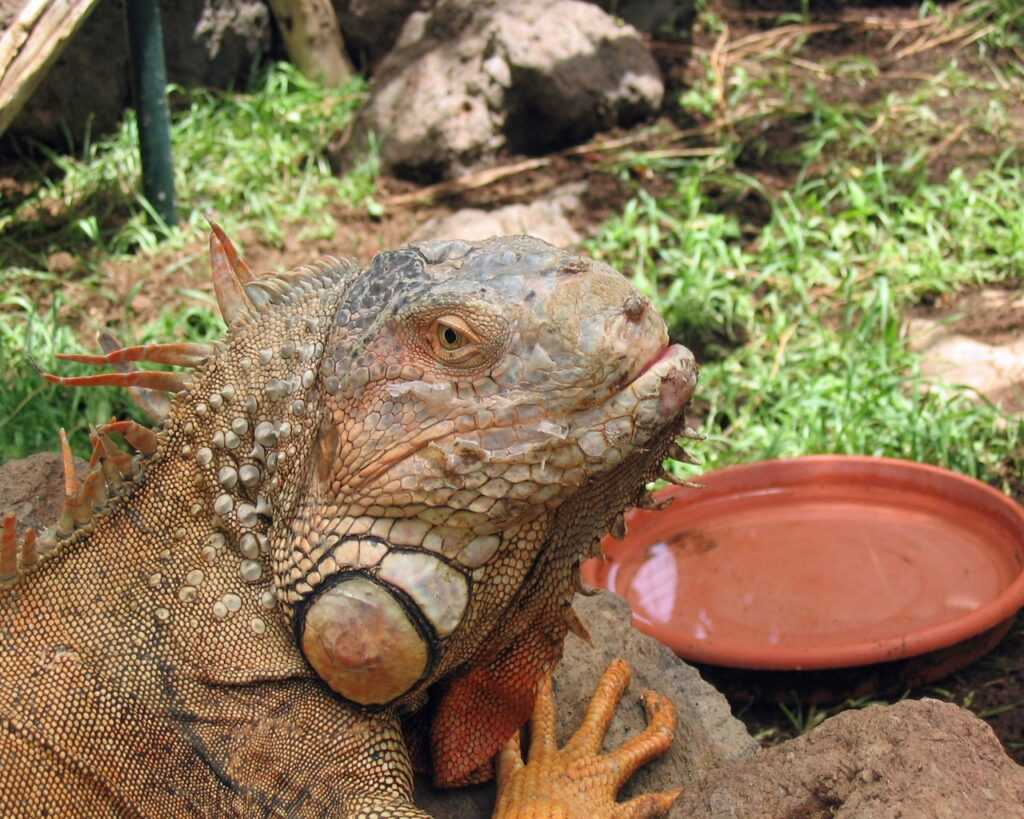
[635, 307]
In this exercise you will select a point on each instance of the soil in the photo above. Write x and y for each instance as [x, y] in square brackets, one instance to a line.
[137, 290]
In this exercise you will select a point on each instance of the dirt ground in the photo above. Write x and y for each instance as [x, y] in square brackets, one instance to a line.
[992, 687]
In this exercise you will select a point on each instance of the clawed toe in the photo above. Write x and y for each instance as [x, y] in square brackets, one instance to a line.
[578, 780]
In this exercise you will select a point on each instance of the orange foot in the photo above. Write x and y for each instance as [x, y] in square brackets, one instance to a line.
[577, 780]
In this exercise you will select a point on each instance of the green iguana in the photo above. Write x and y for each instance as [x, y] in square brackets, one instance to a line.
[351, 544]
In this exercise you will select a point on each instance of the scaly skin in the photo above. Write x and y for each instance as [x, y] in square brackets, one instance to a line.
[369, 504]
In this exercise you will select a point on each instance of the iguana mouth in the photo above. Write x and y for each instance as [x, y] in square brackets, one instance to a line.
[667, 351]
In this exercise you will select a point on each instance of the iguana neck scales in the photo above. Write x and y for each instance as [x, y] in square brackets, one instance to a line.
[368, 504]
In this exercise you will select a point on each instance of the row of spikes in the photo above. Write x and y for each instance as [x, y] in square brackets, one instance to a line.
[240, 296]
[109, 467]
[230, 273]
[110, 470]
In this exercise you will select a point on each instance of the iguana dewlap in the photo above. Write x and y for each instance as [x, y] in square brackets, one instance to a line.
[367, 505]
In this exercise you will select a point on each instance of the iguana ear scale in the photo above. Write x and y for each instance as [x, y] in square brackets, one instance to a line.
[230, 275]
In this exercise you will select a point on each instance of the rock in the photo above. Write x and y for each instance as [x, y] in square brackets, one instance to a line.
[371, 27]
[976, 343]
[545, 219]
[707, 737]
[471, 78]
[206, 42]
[32, 489]
[62, 263]
[918, 759]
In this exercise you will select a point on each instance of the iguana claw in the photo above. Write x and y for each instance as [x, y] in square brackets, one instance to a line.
[578, 780]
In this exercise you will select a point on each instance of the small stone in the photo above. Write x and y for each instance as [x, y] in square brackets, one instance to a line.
[265, 356]
[201, 409]
[308, 377]
[224, 504]
[186, 594]
[218, 439]
[216, 401]
[268, 599]
[257, 625]
[239, 426]
[220, 611]
[228, 392]
[298, 407]
[232, 441]
[195, 577]
[155, 579]
[232, 601]
[204, 455]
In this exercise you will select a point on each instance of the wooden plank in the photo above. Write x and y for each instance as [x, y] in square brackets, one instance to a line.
[30, 46]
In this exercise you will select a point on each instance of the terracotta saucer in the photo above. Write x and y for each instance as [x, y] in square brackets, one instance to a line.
[820, 562]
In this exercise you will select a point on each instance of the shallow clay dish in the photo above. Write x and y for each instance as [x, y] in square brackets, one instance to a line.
[820, 562]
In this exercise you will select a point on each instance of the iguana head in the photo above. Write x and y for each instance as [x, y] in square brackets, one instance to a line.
[404, 465]
[471, 390]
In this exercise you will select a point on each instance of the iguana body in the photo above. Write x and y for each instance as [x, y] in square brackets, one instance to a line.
[376, 493]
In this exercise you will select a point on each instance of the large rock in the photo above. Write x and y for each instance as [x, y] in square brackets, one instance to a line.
[918, 759]
[707, 737]
[32, 489]
[473, 77]
[206, 42]
[977, 341]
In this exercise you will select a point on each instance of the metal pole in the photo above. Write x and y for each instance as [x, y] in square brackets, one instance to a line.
[149, 86]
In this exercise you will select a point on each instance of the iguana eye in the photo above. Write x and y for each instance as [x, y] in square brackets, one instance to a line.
[453, 342]
[449, 337]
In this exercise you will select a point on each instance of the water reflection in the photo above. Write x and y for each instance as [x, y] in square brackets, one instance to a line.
[655, 582]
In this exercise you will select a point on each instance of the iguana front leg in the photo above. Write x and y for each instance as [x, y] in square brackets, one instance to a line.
[578, 781]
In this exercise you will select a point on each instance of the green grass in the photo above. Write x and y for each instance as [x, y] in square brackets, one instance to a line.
[798, 319]
[256, 160]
